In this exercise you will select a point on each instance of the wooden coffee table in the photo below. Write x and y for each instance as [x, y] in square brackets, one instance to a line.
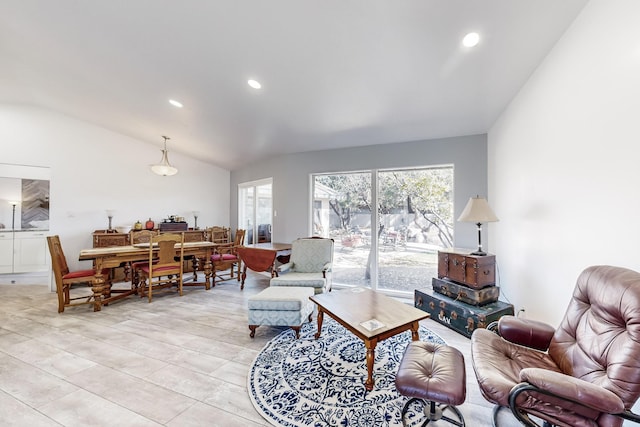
[358, 307]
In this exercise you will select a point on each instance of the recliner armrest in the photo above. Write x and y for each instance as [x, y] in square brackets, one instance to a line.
[285, 267]
[574, 389]
[526, 332]
[326, 267]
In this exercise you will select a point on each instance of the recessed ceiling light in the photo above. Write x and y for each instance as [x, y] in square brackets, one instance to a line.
[254, 84]
[471, 39]
[175, 103]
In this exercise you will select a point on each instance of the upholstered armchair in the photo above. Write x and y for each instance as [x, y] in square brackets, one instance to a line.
[310, 265]
[584, 373]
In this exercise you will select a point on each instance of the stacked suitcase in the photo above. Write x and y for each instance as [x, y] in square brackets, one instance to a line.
[464, 296]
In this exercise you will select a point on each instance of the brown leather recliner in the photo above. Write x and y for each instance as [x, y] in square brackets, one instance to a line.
[585, 373]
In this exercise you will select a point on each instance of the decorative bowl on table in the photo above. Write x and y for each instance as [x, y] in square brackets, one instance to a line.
[123, 229]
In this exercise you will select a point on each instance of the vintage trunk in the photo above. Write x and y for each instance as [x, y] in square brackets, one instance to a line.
[464, 293]
[475, 271]
[460, 317]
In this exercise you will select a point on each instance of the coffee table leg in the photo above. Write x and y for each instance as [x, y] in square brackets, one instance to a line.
[320, 318]
[415, 336]
[371, 356]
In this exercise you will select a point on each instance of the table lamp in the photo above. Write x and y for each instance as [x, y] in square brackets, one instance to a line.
[478, 211]
[195, 220]
[110, 213]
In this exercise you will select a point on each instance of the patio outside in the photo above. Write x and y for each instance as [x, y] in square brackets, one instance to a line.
[412, 220]
[400, 268]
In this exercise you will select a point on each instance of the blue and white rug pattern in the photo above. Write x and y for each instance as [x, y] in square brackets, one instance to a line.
[309, 382]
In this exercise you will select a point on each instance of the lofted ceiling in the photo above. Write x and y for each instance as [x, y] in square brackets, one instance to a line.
[334, 73]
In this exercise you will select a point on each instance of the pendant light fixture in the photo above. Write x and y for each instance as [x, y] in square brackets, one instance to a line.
[164, 168]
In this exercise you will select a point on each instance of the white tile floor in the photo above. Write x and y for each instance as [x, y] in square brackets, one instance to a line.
[179, 361]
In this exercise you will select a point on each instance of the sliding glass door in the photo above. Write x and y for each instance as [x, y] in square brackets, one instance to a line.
[342, 211]
[254, 210]
[416, 220]
[391, 247]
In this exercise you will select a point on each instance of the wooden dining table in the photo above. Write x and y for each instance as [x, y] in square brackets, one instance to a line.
[114, 256]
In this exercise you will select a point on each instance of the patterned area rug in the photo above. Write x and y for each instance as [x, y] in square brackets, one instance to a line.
[309, 382]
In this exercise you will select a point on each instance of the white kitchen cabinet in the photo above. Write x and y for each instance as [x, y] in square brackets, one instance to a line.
[6, 252]
[30, 252]
[23, 252]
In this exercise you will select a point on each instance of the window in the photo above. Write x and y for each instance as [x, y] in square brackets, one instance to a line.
[254, 210]
[392, 247]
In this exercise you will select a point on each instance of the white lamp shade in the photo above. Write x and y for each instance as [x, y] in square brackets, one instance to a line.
[164, 168]
[477, 210]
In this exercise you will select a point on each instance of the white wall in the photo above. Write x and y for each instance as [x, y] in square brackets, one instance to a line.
[93, 169]
[291, 178]
[564, 163]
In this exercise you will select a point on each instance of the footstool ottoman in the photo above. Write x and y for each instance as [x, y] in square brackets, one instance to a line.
[280, 306]
[435, 375]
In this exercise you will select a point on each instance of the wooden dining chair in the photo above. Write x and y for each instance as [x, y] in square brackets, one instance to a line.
[164, 267]
[218, 234]
[137, 237]
[226, 258]
[65, 278]
[192, 262]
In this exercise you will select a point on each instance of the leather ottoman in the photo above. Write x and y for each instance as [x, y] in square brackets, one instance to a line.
[433, 374]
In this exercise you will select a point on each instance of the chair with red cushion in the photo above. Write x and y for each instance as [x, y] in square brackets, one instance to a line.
[139, 237]
[164, 268]
[65, 278]
[226, 258]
